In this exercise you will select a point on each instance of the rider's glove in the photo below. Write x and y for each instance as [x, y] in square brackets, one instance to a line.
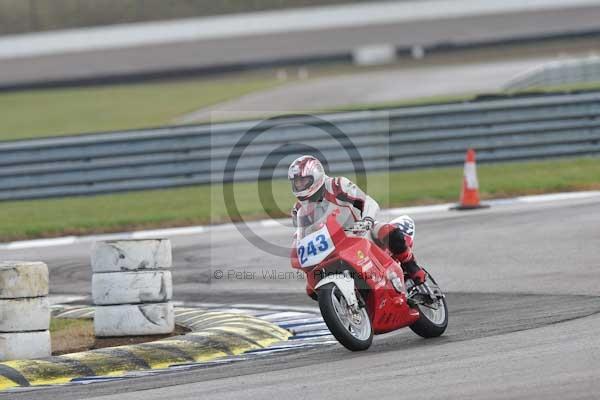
[364, 224]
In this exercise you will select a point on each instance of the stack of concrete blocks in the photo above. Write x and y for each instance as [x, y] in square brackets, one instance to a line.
[24, 310]
[132, 288]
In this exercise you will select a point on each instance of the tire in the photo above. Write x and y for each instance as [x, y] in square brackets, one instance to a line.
[335, 324]
[425, 326]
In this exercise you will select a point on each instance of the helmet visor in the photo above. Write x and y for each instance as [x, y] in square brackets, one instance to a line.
[301, 183]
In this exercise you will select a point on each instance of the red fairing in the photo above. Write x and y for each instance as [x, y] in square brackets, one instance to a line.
[294, 254]
[294, 258]
[387, 307]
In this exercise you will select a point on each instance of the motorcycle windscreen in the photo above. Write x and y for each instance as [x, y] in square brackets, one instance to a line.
[312, 216]
[314, 242]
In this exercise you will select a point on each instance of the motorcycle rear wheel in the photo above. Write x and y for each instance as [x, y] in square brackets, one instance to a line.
[432, 323]
[353, 330]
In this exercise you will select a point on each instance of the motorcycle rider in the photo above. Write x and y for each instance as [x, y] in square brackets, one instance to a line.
[311, 185]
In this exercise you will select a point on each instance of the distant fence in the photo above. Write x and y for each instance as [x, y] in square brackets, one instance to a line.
[558, 73]
[500, 130]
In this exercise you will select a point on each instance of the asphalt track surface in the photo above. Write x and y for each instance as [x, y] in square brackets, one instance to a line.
[522, 283]
[253, 48]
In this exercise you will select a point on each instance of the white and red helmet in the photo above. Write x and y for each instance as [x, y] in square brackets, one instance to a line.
[307, 176]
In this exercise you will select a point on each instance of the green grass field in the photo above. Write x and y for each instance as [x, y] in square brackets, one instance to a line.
[205, 204]
[56, 112]
[71, 335]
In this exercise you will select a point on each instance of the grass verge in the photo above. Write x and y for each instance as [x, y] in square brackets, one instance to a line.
[206, 204]
[71, 335]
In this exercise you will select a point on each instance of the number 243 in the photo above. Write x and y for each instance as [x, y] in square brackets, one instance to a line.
[311, 249]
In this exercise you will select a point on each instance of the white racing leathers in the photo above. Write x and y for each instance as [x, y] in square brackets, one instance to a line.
[355, 205]
[341, 193]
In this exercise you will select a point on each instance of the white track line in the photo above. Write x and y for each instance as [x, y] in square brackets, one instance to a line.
[192, 230]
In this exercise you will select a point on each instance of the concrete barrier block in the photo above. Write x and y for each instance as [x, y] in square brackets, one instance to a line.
[23, 279]
[131, 255]
[132, 287]
[142, 319]
[24, 345]
[374, 54]
[21, 315]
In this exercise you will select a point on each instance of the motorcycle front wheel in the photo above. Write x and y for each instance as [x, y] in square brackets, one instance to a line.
[351, 328]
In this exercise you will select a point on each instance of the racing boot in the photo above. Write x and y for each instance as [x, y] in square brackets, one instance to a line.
[413, 271]
[417, 291]
[400, 246]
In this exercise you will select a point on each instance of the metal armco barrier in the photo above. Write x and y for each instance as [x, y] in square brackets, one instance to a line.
[500, 130]
[558, 73]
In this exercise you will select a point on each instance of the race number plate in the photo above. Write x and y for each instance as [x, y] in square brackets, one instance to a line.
[313, 248]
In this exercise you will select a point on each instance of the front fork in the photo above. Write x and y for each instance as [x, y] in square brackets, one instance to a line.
[427, 294]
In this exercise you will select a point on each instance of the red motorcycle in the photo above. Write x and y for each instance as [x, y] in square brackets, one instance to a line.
[360, 288]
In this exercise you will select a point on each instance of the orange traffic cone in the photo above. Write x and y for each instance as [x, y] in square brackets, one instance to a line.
[469, 197]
